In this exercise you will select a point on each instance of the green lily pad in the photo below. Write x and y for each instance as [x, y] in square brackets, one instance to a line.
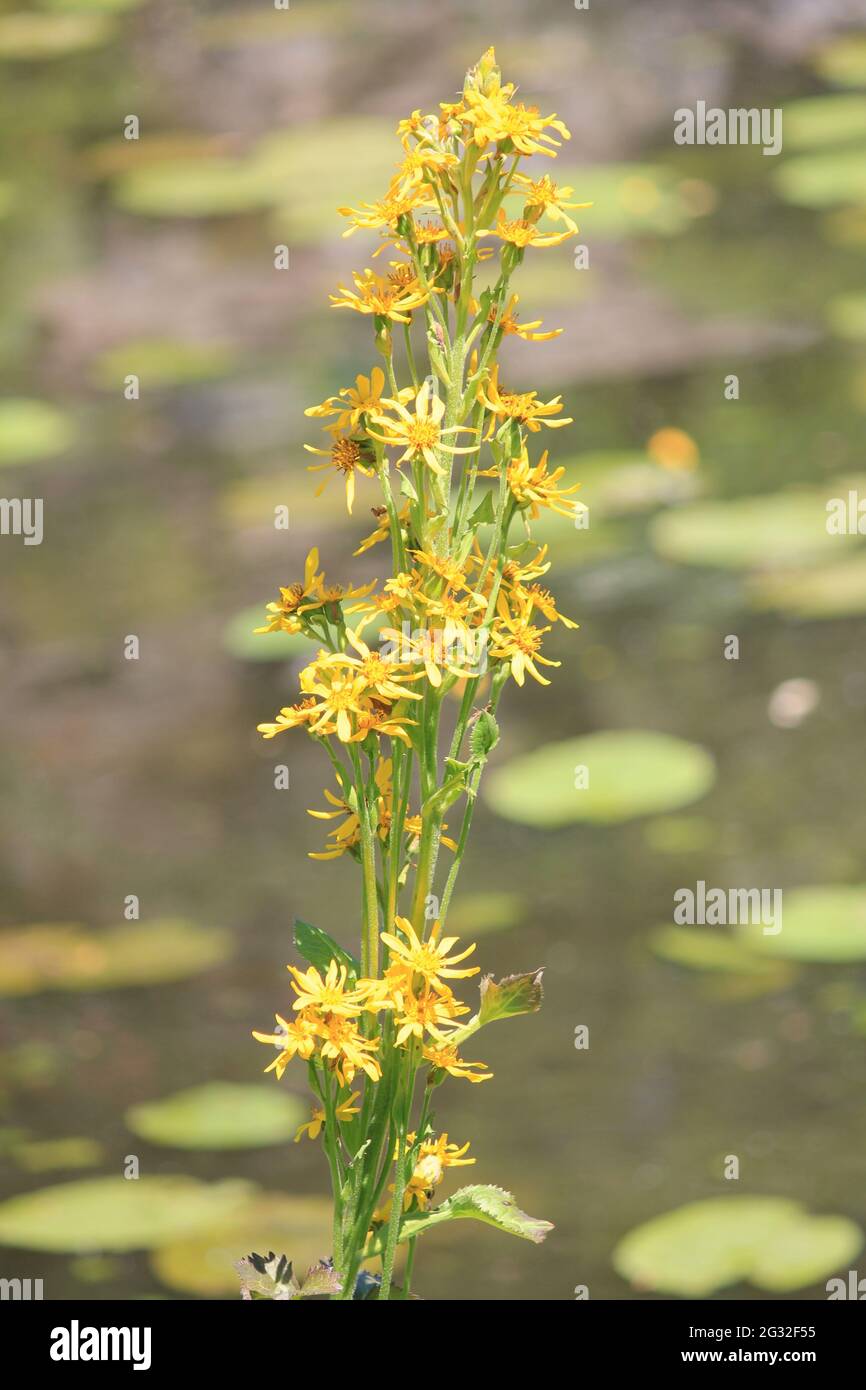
[163, 362]
[193, 188]
[751, 532]
[219, 1115]
[837, 591]
[27, 37]
[843, 61]
[824, 120]
[631, 772]
[830, 178]
[47, 1155]
[709, 1245]
[818, 924]
[847, 316]
[32, 430]
[241, 640]
[311, 161]
[204, 1263]
[66, 956]
[707, 948]
[113, 1214]
[481, 914]
[627, 199]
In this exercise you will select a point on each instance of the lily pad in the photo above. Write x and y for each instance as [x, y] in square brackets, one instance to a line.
[204, 1263]
[311, 161]
[28, 37]
[219, 1115]
[47, 1155]
[709, 1245]
[818, 924]
[830, 178]
[824, 120]
[241, 640]
[751, 532]
[163, 362]
[843, 61]
[628, 773]
[116, 1213]
[706, 948]
[193, 188]
[627, 199]
[31, 429]
[834, 591]
[847, 316]
[481, 914]
[66, 956]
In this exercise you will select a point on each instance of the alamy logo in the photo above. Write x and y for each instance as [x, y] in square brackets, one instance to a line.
[22, 516]
[855, 1288]
[720, 907]
[76, 1343]
[20, 1290]
[737, 126]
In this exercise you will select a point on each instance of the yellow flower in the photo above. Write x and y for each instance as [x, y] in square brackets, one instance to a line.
[521, 233]
[347, 1050]
[316, 1124]
[294, 1039]
[329, 995]
[515, 640]
[521, 407]
[353, 402]
[419, 435]
[285, 613]
[533, 487]
[290, 717]
[429, 1011]
[543, 196]
[673, 449]
[345, 454]
[348, 834]
[377, 295]
[383, 528]
[510, 324]
[493, 118]
[429, 958]
[397, 203]
[443, 1057]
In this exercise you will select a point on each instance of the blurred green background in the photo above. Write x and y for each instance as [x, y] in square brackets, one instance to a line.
[156, 257]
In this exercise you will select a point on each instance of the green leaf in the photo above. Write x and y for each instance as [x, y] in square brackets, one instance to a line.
[492, 1205]
[219, 1115]
[484, 736]
[513, 995]
[319, 949]
[604, 778]
[709, 1245]
[767, 532]
[116, 1213]
[484, 514]
[824, 923]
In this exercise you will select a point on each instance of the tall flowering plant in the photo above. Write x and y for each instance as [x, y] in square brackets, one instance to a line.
[464, 610]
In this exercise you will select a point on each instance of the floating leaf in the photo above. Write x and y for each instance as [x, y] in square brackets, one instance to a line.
[824, 180]
[193, 188]
[492, 1205]
[163, 362]
[47, 1155]
[843, 61]
[31, 430]
[204, 1263]
[846, 315]
[824, 120]
[818, 924]
[219, 1115]
[627, 199]
[705, 1246]
[26, 37]
[67, 956]
[837, 591]
[241, 640]
[317, 947]
[629, 772]
[510, 996]
[760, 532]
[116, 1213]
[476, 914]
[708, 949]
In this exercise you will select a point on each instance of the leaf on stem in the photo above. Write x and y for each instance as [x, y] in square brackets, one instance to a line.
[492, 1205]
[319, 949]
[515, 994]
